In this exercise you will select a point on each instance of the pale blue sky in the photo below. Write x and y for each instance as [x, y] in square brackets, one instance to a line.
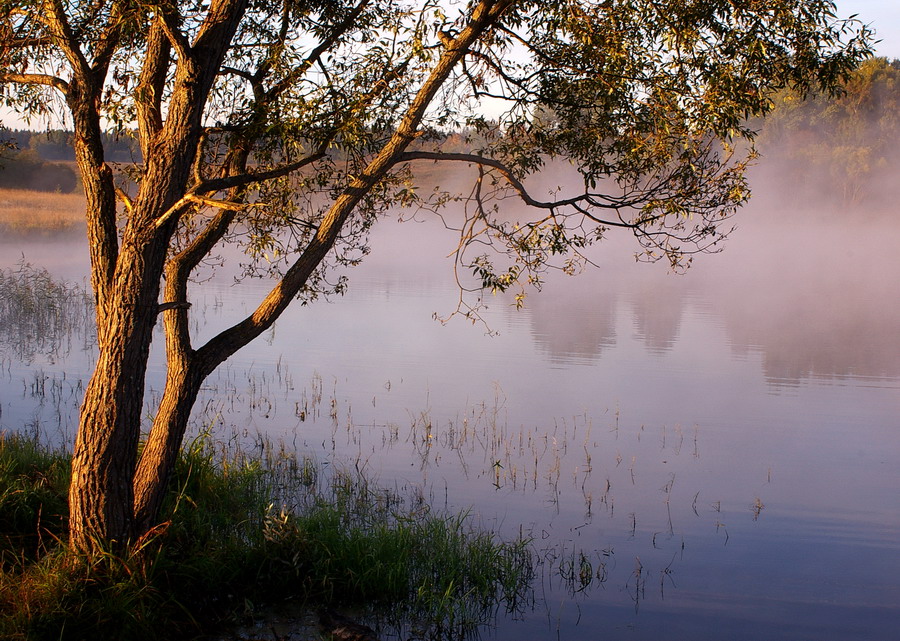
[883, 16]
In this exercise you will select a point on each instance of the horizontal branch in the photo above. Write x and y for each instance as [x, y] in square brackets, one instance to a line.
[519, 187]
[192, 198]
[28, 42]
[241, 180]
[220, 204]
[36, 79]
[246, 75]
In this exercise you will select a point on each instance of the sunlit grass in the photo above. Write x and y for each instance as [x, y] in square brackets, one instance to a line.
[244, 528]
[27, 211]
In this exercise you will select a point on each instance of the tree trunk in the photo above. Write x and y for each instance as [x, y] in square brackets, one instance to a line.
[163, 444]
[183, 380]
[114, 498]
[101, 495]
[103, 461]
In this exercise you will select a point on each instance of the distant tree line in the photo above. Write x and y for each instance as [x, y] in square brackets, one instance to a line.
[25, 169]
[842, 149]
[44, 160]
[38, 160]
[56, 144]
[815, 147]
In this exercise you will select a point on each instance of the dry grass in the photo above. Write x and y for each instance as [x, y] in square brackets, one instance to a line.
[38, 211]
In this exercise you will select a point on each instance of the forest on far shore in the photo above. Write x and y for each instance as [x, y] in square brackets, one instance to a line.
[842, 150]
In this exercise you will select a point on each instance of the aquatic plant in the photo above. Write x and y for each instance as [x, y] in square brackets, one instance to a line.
[245, 528]
[40, 314]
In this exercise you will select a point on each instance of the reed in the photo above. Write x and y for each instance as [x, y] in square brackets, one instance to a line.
[26, 211]
[246, 526]
[43, 315]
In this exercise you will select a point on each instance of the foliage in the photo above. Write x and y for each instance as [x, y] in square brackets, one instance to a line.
[240, 529]
[632, 93]
[844, 147]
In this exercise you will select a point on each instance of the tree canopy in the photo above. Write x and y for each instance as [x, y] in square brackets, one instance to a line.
[293, 125]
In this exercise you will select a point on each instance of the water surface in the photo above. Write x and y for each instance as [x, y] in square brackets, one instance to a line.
[722, 447]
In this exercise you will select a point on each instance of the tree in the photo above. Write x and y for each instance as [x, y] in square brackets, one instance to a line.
[292, 126]
[844, 148]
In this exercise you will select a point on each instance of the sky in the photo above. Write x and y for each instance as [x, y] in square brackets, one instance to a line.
[883, 16]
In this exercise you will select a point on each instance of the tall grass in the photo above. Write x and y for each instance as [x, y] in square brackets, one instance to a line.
[33, 485]
[28, 211]
[42, 315]
[241, 529]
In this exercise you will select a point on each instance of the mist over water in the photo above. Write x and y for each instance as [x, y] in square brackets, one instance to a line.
[724, 445]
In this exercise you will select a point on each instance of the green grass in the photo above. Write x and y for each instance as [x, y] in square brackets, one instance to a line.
[242, 529]
[33, 485]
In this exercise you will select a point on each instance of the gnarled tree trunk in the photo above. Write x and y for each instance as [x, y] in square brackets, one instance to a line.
[101, 492]
[127, 280]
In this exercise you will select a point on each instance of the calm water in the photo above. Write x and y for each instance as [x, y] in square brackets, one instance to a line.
[723, 448]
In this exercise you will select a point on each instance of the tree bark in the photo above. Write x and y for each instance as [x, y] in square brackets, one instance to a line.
[163, 444]
[127, 281]
[103, 461]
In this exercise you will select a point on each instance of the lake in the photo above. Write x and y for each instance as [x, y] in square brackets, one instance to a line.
[707, 456]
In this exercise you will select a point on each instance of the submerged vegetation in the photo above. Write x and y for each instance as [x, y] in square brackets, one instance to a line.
[243, 529]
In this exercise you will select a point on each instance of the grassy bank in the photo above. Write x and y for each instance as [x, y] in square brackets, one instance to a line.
[240, 530]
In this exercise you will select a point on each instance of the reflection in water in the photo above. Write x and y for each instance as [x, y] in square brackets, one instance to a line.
[715, 451]
[816, 304]
[658, 307]
[569, 323]
[820, 302]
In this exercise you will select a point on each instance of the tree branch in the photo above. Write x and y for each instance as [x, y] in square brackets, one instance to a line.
[484, 15]
[54, 16]
[172, 29]
[150, 88]
[36, 79]
[242, 180]
[108, 42]
[314, 55]
[126, 200]
[219, 204]
[27, 42]
[231, 182]
[519, 187]
[240, 73]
